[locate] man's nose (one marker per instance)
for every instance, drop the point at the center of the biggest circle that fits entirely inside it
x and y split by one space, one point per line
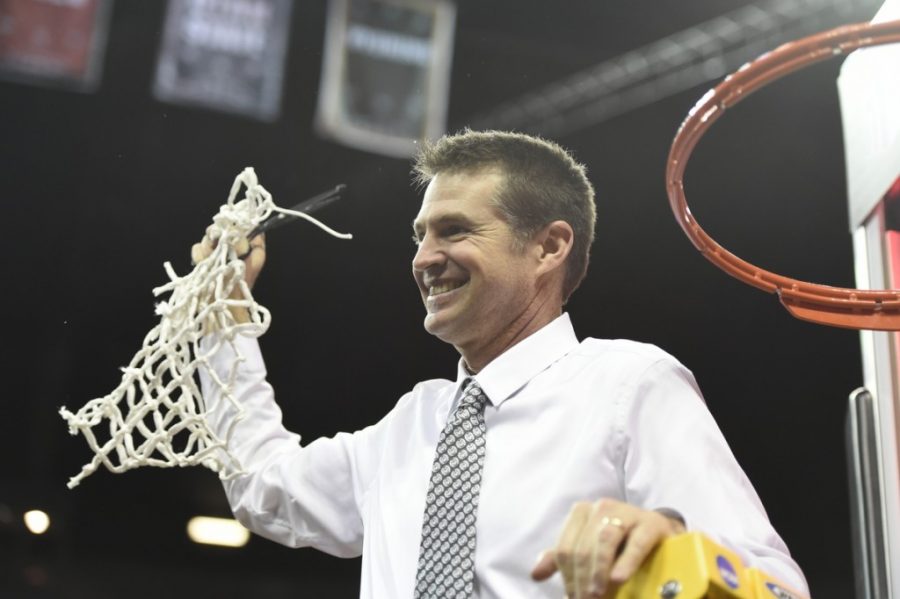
427 255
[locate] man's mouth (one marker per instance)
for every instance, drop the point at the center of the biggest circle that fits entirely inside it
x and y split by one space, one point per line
442 294
445 287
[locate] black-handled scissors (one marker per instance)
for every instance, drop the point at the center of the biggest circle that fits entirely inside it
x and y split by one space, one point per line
309 206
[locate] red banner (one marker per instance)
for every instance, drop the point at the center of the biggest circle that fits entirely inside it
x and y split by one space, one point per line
58 41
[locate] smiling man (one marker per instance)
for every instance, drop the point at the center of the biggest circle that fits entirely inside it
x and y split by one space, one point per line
582 454
483 293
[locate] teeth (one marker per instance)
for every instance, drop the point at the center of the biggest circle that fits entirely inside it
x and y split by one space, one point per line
443 288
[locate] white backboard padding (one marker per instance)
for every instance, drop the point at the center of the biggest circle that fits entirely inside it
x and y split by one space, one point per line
869 89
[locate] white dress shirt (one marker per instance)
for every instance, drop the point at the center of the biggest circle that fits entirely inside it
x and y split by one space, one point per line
566 422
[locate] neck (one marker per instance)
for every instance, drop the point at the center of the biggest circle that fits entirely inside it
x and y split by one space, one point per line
477 356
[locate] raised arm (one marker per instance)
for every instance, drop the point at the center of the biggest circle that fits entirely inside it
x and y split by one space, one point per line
294 495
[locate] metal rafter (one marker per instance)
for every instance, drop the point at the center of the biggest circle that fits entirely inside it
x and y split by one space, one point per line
696 55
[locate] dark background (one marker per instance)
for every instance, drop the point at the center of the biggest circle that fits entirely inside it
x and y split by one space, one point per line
100 189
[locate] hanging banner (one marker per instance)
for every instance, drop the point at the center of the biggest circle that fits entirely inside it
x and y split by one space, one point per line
386 73
226 55
54 42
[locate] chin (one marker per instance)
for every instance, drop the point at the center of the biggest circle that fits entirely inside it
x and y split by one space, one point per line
432 325
439 327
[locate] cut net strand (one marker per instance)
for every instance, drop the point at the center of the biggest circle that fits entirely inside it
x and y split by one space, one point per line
157 416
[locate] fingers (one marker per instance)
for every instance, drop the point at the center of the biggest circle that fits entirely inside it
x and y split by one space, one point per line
245 248
545 567
200 251
252 251
602 544
642 539
255 259
569 560
242 248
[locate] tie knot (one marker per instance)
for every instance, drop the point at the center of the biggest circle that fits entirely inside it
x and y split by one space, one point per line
473 397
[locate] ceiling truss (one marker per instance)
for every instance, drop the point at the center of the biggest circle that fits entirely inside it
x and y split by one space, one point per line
691 57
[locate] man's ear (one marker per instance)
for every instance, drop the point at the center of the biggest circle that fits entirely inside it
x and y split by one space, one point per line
553 244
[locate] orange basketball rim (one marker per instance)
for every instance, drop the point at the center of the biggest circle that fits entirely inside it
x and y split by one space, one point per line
823 304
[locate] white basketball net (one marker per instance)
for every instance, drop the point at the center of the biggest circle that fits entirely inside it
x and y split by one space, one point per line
156 416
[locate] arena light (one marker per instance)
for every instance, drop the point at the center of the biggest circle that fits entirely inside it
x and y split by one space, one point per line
223 532
36 521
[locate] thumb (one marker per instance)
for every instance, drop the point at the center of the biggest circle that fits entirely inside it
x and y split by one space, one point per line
545 567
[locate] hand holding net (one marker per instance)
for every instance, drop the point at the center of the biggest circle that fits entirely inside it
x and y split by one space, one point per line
156 416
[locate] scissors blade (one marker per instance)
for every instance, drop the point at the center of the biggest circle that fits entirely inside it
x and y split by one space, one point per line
313 204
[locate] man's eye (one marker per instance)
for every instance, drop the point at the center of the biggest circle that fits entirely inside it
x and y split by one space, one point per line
416 239
454 231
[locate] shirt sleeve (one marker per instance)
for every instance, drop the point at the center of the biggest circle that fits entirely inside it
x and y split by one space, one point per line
676 457
298 496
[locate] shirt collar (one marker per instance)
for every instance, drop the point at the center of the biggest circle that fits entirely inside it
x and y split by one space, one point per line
512 369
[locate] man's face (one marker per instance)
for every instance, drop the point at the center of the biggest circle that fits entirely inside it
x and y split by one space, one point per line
474 281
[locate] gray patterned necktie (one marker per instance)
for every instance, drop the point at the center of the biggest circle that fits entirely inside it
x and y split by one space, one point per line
447 552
